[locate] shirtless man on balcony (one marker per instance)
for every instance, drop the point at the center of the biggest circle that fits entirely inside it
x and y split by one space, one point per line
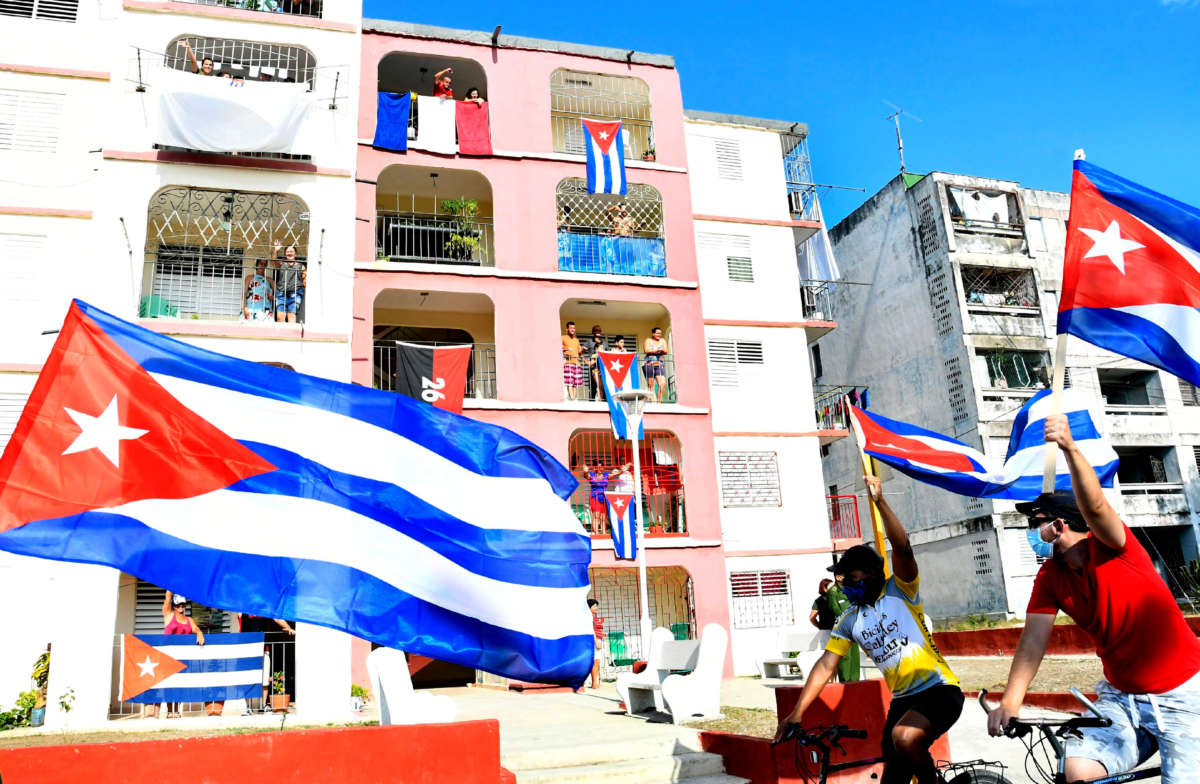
204 66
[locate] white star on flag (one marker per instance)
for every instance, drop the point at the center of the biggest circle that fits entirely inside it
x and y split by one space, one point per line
1110 243
618 506
147 668
102 432
603 135
616 365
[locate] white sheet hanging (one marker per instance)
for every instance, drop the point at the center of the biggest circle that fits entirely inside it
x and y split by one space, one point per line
436 131
985 206
216 114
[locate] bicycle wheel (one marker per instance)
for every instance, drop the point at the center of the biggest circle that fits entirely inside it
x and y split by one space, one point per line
979 777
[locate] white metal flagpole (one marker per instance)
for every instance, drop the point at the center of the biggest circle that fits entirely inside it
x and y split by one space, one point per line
638 527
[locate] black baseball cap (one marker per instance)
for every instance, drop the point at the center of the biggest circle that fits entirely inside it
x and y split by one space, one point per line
858 557
1060 503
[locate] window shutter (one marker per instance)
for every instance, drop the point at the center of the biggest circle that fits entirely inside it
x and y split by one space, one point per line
54 10
1196 455
740 269
22 266
761 599
1189 393
11 404
729 159
749 479
749 352
722 362
30 120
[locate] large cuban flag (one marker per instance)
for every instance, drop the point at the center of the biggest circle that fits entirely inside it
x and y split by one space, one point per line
952 465
261 490
1131 276
622 522
605 156
618 374
174 668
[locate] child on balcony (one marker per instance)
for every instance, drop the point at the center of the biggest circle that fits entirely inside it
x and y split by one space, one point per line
258 298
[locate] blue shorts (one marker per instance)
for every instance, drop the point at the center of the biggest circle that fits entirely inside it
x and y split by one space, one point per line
289 303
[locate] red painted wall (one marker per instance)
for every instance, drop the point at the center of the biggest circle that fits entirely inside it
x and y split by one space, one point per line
1066 640
465 753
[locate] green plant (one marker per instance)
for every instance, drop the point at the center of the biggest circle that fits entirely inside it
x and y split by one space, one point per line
359 691
277 685
41 677
464 239
66 700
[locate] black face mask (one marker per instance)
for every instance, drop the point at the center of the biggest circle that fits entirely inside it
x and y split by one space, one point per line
865 591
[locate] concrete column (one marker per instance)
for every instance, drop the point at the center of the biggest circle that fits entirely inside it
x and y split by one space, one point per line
322 674
81 600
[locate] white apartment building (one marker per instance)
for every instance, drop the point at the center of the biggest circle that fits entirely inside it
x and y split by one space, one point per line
955 332
93 206
754 206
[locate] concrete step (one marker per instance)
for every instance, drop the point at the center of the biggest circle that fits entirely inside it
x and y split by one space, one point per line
684 767
550 753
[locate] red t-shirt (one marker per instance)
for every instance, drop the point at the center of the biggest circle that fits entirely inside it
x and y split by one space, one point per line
442 92
1141 636
598 626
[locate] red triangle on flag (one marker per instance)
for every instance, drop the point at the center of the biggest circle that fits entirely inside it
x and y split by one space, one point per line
617 365
619 502
603 133
99 431
144 667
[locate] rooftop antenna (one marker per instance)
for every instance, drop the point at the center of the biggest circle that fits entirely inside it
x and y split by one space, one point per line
895 117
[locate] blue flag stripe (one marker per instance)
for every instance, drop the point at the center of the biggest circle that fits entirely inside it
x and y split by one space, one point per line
223 665
317 592
486 449
198 694
1033 434
1131 336
1179 221
522 557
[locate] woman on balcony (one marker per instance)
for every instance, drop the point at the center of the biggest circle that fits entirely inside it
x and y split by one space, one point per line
290 283
599 478
258 298
177 621
655 365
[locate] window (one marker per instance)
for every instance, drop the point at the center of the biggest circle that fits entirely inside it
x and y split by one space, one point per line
740 269
1189 393
202 245
11 404
761 599
729 159
1129 387
1195 451
995 287
295 7
982 210
612 234
1016 369
726 356
816 362
662 479
575 95
30 120
1145 465
54 10
256 60
23 265
825 450
749 479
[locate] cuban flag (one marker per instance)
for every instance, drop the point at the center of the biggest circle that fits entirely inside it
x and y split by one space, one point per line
270 492
174 668
622 523
1131 276
617 373
952 465
605 156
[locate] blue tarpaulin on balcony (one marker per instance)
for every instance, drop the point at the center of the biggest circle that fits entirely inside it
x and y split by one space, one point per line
611 255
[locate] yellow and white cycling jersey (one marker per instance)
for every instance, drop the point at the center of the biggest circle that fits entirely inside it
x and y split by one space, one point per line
893 633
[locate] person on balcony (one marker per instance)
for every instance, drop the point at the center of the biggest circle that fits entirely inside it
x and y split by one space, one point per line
598 478
572 370
622 223
258 298
291 280
655 365
204 67
177 621
474 97
593 359
442 81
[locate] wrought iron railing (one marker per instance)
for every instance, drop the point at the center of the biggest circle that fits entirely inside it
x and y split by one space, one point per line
649 370
843 517
481 368
311 8
816 298
662 512
204 283
434 239
831 411
576 95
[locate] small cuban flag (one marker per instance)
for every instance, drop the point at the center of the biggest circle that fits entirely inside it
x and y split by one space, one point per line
619 375
605 157
622 523
174 668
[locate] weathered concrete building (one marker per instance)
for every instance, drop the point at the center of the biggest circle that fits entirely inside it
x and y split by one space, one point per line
954 332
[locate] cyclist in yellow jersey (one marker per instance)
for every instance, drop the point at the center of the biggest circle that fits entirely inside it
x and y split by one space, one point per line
886 618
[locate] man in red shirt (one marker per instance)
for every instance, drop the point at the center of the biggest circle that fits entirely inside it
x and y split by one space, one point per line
1103 579
598 632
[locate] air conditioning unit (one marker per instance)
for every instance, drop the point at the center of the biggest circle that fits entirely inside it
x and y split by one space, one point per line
795 202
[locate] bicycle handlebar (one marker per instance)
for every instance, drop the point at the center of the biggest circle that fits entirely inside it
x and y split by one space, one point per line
820 736
1018 727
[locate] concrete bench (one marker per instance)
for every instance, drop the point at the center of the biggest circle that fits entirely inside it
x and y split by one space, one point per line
798 666
643 690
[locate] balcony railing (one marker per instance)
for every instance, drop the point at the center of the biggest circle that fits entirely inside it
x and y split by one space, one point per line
481 368
662 367
611 255
434 239
831 410
843 517
294 7
817 300
212 285
661 513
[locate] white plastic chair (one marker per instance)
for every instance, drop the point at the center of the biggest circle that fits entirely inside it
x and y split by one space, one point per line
398 702
699 692
653 674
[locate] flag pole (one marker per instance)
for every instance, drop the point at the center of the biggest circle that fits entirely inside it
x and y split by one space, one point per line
633 401
1050 470
868 466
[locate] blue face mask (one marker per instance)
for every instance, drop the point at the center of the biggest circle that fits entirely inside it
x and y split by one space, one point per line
1040 549
863 592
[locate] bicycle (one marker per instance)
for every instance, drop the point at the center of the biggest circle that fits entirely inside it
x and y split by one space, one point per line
823 740
1054 731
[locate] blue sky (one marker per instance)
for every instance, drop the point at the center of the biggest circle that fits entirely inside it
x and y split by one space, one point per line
1004 89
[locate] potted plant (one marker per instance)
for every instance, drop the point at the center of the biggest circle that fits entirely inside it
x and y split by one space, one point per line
464 237
279 700
41 679
648 155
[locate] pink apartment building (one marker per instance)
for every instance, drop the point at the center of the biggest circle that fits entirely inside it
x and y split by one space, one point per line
500 251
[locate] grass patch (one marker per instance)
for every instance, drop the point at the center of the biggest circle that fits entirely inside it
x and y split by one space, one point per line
758 722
